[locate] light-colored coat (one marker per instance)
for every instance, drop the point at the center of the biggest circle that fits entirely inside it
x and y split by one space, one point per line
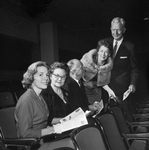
91 69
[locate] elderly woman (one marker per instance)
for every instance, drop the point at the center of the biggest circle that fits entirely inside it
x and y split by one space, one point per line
55 96
31 112
97 71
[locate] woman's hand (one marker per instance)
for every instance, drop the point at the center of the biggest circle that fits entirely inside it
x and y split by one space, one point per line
57 128
47 131
132 88
93 107
111 93
55 120
99 106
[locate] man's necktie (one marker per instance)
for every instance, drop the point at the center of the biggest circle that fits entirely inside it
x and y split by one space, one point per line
114 49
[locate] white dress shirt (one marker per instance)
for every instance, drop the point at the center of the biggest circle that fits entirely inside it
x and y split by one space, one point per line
118 44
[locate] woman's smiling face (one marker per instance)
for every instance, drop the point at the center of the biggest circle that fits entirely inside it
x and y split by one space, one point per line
58 77
103 53
41 78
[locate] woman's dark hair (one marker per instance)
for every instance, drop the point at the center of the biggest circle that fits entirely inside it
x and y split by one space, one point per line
106 44
61 65
28 76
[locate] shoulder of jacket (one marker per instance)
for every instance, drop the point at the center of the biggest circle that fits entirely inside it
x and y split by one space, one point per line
26 99
129 45
92 51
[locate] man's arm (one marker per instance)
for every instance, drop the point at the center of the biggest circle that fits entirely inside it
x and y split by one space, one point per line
134 68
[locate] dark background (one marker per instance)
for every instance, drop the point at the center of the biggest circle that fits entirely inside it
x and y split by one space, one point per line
86 21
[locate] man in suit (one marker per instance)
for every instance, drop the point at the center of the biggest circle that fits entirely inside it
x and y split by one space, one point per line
74 86
124 74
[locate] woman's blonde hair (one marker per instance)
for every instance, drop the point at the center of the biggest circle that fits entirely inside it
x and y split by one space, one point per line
28 76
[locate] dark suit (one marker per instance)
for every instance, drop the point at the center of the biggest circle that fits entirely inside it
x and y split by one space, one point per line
77 94
125 71
77 97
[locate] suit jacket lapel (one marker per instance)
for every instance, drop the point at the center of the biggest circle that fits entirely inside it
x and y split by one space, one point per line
75 82
117 56
121 51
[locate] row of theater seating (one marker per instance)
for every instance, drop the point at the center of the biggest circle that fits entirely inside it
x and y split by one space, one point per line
8 99
117 128
124 127
10 91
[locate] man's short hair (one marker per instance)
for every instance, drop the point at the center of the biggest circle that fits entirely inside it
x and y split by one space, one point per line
118 20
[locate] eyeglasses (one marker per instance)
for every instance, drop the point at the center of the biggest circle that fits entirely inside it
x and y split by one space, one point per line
59 77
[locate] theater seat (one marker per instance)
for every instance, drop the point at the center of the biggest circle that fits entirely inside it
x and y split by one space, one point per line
8 131
116 139
89 137
7 99
8 135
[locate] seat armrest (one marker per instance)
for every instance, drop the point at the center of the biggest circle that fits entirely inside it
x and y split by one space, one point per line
21 141
146 115
143 105
135 136
56 137
143 110
140 123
